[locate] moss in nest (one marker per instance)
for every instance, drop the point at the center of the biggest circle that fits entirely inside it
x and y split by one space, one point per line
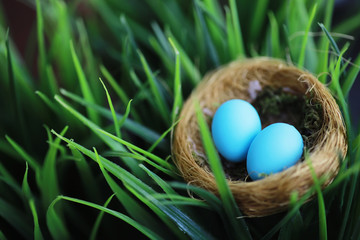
234 171
301 111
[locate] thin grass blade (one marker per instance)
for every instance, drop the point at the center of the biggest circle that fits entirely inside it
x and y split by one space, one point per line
305 39
99 218
324 43
90 185
49 177
41 41
257 22
321 203
24 155
113 113
28 195
330 38
131 163
161 138
236 30
164 185
143 192
239 226
155 158
126 114
177 84
147 232
115 86
15 218
154 86
18 111
351 77
213 54
84 85
139 130
275 39
188 65
134 209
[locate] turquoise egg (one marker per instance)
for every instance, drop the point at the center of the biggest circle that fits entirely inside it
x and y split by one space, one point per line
234 126
276 148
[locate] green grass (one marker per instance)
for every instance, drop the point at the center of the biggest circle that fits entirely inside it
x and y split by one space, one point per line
97 154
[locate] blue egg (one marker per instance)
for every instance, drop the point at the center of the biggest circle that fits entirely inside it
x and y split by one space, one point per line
276 148
234 126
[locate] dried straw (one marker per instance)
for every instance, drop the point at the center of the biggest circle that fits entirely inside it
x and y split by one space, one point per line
243 80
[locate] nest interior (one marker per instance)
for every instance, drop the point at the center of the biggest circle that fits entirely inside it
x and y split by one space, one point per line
246 80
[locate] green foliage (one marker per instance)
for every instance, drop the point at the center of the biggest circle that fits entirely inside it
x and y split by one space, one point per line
151 55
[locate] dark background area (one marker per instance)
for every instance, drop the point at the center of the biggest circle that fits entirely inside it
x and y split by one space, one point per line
21 17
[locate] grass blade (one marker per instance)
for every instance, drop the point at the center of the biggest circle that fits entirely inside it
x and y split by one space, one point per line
304 41
55 225
126 115
41 41
27 192
134 209
32 162
49 178
113 113
330 38
91 63
213 20
147 232
292 229
84 86
189 67
48 102
275 40
214 56
90 185
139 130
131 163
351 77
115 86
15 218
324 43
86 122
258 18
321 204
177 84
297 21
348 25
18 111
143 192
239 226
154 86
164 185
155 158
292 212
97 223
236 31
160 139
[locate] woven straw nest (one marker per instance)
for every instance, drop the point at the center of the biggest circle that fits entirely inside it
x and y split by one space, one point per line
243 80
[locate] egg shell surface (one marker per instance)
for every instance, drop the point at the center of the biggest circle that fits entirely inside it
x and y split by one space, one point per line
234 126
276 148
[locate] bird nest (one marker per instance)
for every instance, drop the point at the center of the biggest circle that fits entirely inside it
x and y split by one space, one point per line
247 80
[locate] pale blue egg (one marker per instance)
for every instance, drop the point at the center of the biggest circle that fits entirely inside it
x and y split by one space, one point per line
276 148
234 126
